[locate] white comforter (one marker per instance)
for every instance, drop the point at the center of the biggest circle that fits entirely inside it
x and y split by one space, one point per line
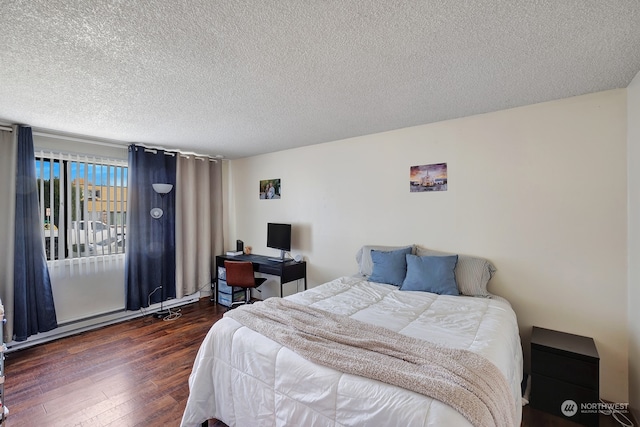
245 379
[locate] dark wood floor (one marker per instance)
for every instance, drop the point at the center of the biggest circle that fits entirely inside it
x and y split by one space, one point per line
129 374
132 373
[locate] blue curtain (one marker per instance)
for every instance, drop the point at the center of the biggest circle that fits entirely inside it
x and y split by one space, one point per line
34 310
150 253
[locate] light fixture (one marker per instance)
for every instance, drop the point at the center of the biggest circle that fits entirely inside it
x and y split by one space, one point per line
156 213
162 188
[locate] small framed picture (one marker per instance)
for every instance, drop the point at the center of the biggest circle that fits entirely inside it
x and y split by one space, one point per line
428 178
270 189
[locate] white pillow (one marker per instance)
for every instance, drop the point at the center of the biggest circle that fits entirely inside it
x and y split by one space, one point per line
472 273
363 256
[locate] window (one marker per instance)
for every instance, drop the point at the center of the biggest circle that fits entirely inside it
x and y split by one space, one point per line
83 205
93 194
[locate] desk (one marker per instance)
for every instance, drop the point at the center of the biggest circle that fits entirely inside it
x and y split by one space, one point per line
288 271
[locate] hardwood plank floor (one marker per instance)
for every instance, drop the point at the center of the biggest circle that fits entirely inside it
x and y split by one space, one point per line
131 374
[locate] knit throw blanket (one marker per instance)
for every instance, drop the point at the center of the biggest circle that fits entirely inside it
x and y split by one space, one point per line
460 378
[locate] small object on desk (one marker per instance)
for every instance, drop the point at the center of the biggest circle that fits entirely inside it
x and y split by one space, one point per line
239 246
247 250
234 253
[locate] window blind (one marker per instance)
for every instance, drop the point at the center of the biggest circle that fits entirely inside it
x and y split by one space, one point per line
83 202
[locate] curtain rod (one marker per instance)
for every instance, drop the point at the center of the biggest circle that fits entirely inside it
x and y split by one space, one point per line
76 139
124 145
172 151
115 145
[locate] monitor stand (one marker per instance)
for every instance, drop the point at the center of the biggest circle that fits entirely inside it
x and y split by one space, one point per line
281 259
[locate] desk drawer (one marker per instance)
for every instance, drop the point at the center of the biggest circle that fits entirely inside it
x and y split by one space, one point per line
224 287
564 368
225 299
294 271
273 268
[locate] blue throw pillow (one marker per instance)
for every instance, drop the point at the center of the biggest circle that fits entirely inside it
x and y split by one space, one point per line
389 266
431 274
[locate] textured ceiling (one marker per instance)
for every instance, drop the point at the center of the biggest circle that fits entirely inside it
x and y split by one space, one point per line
240 78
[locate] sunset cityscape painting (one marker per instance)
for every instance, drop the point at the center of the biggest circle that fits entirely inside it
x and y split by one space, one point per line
428 178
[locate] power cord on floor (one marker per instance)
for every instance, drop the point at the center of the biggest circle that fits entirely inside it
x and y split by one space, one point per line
173 313
610 409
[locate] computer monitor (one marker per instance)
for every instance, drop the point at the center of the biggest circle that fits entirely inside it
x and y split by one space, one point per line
279 237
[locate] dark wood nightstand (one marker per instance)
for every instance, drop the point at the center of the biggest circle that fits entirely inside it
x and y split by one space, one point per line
565 369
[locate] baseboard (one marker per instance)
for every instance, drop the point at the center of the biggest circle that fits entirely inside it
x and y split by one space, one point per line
94 322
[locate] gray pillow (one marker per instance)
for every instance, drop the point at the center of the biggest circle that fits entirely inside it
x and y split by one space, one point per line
363 256
472 273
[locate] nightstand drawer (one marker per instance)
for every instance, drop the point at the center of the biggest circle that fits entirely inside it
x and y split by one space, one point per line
548 394
564 368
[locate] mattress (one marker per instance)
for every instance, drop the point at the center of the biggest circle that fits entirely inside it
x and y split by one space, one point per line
245 379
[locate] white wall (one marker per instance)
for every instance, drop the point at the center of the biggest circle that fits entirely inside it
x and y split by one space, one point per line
87 287
540 191
633 138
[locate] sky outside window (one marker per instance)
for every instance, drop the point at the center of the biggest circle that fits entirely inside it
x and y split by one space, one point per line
98 175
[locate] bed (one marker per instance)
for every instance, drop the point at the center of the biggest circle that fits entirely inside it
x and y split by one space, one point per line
245 378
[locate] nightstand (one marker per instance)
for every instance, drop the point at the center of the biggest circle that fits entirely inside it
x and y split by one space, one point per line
565 368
